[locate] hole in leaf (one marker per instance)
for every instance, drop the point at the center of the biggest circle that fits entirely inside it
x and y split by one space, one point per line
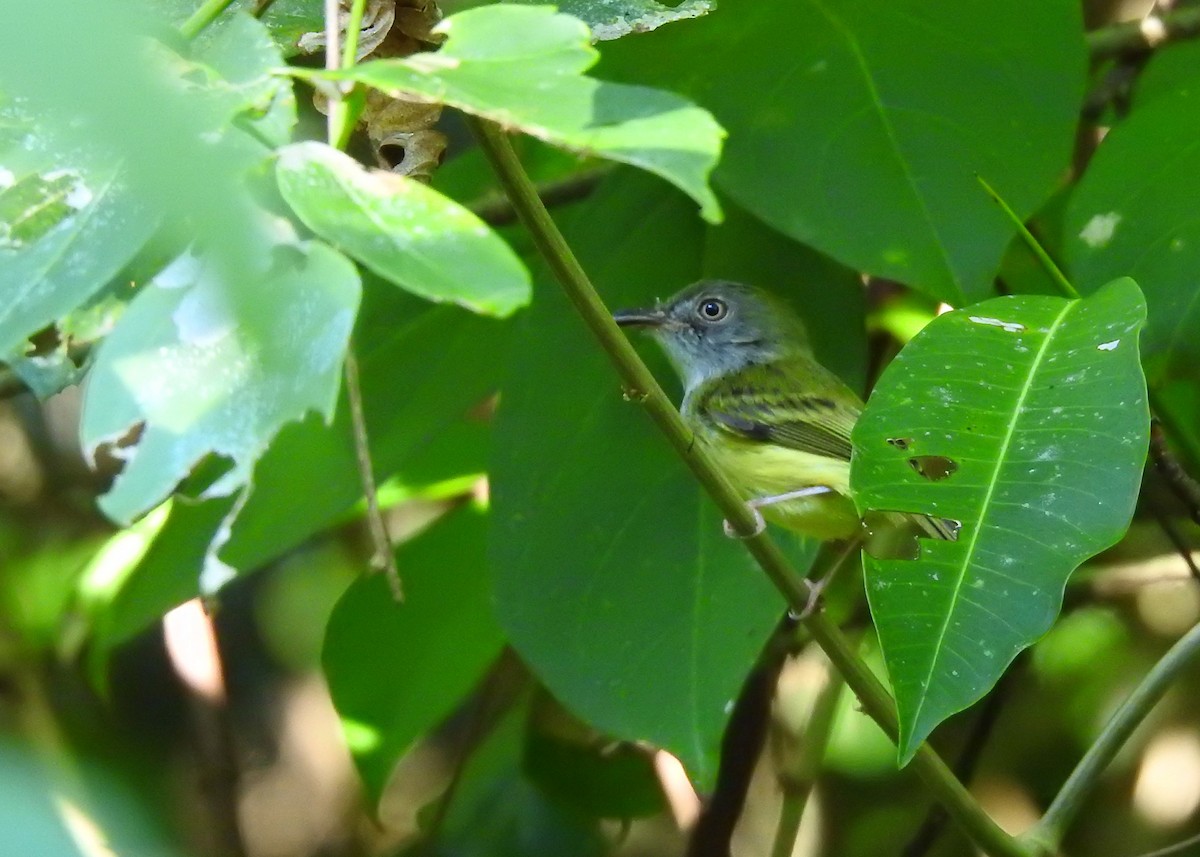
935 468
901 443
897 535
109 457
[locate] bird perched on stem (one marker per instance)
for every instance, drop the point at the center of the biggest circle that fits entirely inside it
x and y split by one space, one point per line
769 415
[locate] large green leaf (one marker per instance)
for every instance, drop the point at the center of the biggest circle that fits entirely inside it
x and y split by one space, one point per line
449 360
206 365
396 670
402 230
243 63
68 223
859 126
1134 214
614 580
82 193
1033 411
522 66
611 20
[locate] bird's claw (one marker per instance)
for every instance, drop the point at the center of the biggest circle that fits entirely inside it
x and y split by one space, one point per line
760 524
813 603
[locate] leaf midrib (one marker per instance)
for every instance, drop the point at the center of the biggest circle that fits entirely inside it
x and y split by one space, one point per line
971 546
881 112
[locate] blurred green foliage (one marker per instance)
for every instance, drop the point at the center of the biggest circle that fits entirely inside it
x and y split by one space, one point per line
172 236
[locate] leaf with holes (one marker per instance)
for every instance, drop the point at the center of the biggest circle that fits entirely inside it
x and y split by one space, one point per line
522 67
401 229
1024 419
68 222
208 364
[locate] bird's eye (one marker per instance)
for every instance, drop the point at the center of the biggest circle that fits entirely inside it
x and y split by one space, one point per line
712 309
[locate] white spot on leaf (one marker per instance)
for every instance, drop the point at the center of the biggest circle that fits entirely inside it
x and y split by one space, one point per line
1099 230
1010 326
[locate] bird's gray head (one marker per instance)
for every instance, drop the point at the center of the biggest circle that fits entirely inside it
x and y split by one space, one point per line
714 327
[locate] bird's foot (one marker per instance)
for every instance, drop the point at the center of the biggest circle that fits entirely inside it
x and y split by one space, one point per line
760 524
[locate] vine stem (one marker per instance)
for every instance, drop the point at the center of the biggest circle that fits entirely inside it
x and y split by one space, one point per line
798 774
383 554
640 385
1046 835
208 12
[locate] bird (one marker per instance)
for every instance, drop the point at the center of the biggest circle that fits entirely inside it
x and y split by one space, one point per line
765 411
772 418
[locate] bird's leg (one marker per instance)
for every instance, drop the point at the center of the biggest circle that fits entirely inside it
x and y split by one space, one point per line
755 504
845 551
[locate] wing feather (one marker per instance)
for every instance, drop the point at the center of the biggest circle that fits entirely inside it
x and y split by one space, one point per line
795 403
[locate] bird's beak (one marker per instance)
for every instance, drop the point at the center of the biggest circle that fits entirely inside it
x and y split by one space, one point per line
640 317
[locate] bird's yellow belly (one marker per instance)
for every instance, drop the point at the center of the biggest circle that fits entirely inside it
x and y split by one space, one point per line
764 469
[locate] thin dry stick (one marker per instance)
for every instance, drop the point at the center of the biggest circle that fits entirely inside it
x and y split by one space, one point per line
383 555
1178 479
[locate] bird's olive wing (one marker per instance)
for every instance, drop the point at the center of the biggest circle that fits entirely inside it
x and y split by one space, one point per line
797 404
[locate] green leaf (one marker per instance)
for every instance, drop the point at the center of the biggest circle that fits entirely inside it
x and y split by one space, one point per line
614 580
420 433
612 19
403 230
67 225
396 670
1134 214
1039 404
858 127
1173 69
286 20
494 810
522 67
244 78
211 366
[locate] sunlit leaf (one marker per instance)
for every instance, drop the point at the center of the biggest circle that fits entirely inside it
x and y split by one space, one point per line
522 67
858 127
1134 214
1039 406
244 64
611 20
202 365
67 225
395 670
402 230
421 435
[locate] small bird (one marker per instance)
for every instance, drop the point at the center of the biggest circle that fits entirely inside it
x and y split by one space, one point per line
769 415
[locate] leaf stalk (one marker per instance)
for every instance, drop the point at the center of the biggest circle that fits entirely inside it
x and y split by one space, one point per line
1045 837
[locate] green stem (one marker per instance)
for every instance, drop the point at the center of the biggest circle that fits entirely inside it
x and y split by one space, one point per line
353 29
1177 24
1047 834
797 777
1055 272
791 813
640 385
340 122
208 12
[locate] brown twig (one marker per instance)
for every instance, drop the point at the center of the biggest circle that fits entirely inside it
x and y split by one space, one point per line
1145 33
1180 482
